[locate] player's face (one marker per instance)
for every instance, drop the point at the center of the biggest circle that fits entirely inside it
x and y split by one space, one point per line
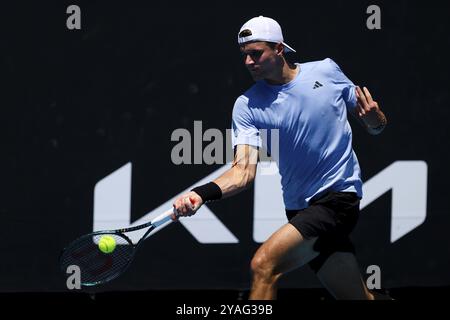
259 59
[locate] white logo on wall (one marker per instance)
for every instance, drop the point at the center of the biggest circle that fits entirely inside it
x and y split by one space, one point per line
406 179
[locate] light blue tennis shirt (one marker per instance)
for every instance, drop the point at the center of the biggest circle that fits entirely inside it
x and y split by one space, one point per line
315 152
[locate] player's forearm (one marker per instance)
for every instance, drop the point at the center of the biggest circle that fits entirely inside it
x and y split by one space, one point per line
235 180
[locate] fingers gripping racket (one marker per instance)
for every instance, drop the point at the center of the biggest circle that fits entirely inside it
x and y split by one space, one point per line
99 266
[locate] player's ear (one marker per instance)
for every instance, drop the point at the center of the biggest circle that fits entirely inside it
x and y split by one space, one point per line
279 49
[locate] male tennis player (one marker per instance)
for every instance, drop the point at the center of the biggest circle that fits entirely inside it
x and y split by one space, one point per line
308 104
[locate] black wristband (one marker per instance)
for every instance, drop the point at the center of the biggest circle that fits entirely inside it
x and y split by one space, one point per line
208 192
379 127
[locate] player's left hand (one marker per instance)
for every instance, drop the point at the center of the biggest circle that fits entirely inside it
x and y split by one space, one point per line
365 103
366 107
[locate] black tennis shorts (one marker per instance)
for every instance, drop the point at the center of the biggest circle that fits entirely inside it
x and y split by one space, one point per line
331 217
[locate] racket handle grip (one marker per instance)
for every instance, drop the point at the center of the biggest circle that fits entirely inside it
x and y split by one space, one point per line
164 217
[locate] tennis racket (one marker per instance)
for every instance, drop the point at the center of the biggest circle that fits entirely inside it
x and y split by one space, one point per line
97 267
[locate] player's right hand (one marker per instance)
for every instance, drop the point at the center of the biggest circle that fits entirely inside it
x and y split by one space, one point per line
187 204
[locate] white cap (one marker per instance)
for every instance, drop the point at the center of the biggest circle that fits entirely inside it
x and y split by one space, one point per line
262 29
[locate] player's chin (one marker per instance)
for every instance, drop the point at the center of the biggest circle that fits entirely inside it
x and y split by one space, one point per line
256 76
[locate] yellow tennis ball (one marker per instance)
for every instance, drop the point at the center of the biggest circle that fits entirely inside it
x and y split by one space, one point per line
107 244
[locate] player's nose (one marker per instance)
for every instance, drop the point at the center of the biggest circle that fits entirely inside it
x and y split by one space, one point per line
248 60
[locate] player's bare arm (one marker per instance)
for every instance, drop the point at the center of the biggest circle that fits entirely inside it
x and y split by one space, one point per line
242 173
239 177
368 112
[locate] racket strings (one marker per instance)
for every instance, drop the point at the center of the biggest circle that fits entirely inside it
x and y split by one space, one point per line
95 265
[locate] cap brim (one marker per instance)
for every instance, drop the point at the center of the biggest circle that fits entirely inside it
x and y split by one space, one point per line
288 48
